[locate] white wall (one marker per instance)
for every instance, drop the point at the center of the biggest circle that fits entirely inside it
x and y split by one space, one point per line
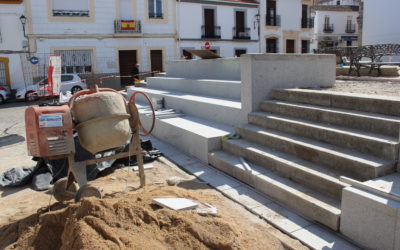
105 14
290 12
11 40
380 23
191 19
106 50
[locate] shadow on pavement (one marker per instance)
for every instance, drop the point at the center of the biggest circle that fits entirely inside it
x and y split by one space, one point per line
17 103
10 140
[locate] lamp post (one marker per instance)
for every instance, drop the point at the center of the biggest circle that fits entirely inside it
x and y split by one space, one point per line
22 18
257 23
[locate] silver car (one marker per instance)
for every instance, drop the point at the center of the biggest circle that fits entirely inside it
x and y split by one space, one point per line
5 94
69 82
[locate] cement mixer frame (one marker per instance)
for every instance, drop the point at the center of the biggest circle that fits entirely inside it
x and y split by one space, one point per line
66 188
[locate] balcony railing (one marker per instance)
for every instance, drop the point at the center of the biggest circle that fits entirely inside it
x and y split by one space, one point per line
273 20
127 26
69 13
328 28
241 34
211 32
307 23
156 15
350 28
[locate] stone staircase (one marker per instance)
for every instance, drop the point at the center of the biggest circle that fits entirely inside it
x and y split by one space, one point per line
302 141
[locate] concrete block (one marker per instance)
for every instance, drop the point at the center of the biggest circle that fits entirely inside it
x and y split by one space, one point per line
369 219
222 68
260 73
372 144
376 123
207 87
318 237
247 197
193 136
281 217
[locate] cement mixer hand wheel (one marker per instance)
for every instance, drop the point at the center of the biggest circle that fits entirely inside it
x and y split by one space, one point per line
87 191
60 191
132 100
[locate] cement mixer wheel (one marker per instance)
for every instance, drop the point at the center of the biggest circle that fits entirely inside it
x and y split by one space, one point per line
60 191
87 191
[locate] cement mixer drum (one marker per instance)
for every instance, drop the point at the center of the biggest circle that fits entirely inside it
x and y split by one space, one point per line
102 121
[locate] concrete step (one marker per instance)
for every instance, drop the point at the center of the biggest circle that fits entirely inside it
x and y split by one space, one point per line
387 105
381 146
215 109
191 135
375 123
323 180
216 88
349 163
307 202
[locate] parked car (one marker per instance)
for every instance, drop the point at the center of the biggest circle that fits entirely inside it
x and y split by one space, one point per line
69 82
5 94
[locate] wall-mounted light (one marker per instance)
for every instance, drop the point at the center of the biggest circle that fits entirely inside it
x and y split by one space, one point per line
257 20
22 18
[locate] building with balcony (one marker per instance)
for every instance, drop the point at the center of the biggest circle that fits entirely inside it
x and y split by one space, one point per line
229 27
335 23
101 36
12 43
285 26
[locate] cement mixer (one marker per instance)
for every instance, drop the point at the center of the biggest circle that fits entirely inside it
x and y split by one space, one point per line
103 121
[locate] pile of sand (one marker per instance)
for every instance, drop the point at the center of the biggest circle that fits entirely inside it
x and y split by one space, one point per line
131 221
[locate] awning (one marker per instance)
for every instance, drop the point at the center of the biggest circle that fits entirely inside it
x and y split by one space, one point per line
349 38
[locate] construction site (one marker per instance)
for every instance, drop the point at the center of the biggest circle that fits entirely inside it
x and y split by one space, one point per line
165 124
258 152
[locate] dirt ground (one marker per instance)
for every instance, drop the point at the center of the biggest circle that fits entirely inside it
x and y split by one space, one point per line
31 219
368 87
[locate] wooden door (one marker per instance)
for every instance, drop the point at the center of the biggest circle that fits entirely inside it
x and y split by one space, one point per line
290 46
239 22
209 24
156 60
127 61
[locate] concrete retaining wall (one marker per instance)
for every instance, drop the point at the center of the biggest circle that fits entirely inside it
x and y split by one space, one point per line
218 69
260 73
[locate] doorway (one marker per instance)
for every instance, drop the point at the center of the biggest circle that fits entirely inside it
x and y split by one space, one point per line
239 28
4 72
290 46
209 23
127 61
156 60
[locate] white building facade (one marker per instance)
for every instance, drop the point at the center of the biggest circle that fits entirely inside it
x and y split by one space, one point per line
11 43
336 24
380 22
104 36
286 26
229 27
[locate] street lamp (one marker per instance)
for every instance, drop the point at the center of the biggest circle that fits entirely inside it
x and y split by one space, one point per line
22 18
257 21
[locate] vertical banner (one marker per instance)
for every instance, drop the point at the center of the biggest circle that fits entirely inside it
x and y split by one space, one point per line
54 75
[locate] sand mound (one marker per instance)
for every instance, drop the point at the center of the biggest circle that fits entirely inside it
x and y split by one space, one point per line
130 221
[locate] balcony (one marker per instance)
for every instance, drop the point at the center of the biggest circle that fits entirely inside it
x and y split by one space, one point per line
350 28
273 20
328 28
211 32
307 23
127 26
241 33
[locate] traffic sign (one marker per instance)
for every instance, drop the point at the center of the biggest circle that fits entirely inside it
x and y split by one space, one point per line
207 46
34 60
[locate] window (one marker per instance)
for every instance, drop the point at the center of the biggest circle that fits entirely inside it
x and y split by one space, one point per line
66 78
239 52
71 8
155 9
3 75
337 2
305 46
75 61
272 45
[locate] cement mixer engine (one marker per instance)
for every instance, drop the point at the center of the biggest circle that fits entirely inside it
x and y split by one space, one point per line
103 121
